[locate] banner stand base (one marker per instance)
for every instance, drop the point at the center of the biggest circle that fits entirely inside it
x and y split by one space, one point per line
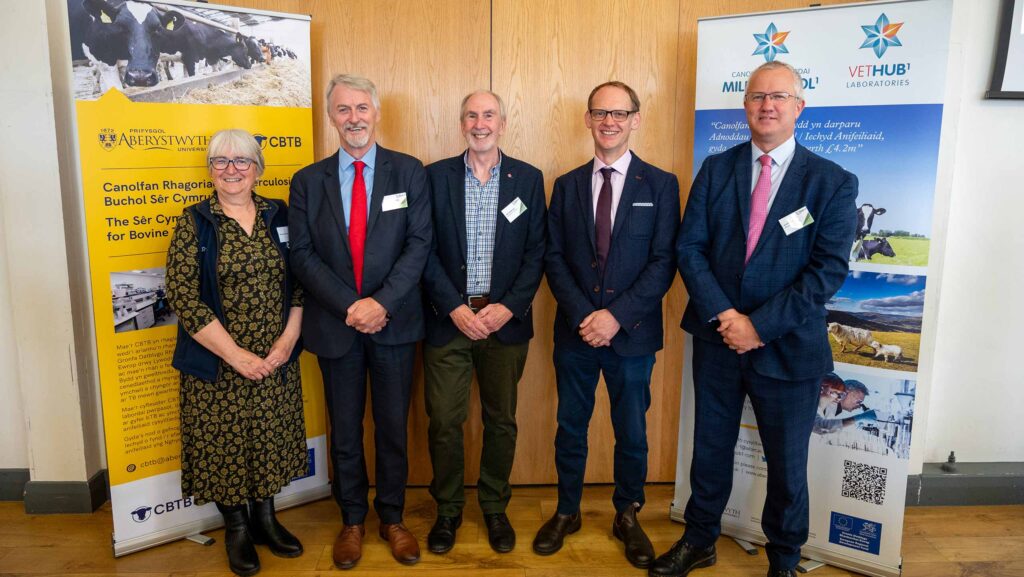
747 546
201 539
809 565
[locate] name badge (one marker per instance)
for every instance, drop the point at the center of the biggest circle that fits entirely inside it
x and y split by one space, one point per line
394 202
514 209
647 204
796 220
282 233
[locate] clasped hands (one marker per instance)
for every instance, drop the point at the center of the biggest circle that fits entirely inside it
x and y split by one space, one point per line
738 331
478 326
598 328
256 368
367 316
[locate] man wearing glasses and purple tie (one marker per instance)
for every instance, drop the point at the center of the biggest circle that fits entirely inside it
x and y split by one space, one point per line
611 228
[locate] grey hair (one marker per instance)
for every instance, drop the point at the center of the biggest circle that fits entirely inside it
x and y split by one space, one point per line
465 100
355 83
798 81
239 142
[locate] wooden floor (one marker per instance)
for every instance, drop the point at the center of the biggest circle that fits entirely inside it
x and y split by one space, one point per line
937 542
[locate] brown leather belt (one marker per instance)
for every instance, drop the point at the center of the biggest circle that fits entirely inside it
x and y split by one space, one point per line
477 302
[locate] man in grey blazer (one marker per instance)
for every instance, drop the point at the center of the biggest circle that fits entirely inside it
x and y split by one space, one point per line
360 232
483 271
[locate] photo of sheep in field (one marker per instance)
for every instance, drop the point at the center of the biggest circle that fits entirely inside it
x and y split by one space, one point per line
875 320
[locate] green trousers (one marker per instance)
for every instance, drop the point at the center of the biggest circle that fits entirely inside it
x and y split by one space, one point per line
448 375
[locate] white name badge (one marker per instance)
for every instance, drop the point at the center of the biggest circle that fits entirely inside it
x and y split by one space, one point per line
514 209
647 204
796 220
282 233
394 202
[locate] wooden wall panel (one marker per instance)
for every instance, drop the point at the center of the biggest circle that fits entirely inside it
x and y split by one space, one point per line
547 58
543 57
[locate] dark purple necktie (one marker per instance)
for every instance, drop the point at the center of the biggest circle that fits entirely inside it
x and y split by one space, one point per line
603 219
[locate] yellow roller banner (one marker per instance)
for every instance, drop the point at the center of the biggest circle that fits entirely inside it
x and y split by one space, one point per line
142 142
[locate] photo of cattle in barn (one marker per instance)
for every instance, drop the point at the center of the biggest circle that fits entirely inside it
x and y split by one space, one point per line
875 320
187 53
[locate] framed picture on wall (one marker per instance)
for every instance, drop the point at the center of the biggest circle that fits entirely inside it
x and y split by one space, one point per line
1008 74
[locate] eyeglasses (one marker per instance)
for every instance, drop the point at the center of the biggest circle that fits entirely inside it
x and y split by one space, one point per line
241 163
777 97
619 115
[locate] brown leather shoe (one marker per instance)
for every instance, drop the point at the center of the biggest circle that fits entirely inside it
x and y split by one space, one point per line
404 547
348 547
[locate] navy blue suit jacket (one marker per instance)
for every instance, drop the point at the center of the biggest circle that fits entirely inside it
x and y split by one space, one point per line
518 261
789 279
640 263
397 245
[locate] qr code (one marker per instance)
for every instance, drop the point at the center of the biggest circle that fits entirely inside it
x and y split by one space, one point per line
864 482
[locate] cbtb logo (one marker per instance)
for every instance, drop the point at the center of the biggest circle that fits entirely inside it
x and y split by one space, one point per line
142 514
107 138
277 141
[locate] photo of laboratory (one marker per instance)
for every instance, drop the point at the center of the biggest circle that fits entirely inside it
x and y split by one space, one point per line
866 411
139 300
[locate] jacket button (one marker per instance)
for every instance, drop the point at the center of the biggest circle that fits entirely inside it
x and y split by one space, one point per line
593 264
597 289
739 276
463 267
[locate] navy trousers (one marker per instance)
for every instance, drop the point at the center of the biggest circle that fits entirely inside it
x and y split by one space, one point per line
785 416
629 389
390 369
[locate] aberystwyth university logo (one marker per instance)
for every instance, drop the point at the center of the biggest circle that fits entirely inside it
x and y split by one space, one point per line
107 138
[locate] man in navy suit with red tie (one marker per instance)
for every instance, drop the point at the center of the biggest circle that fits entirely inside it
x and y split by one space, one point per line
763 246
360 232
611 228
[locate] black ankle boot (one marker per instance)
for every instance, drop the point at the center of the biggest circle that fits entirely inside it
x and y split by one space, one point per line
242 556
267 531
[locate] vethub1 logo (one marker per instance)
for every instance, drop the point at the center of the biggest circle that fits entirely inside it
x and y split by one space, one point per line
881 35
277 141
771 43
107 138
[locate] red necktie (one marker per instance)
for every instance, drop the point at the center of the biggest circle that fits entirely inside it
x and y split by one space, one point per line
357 224
603 222
759 204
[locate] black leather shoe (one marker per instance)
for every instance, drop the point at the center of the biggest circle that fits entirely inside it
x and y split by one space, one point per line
681 559
242 558
550 536
626 528
781 572
441 538
500 533
266 530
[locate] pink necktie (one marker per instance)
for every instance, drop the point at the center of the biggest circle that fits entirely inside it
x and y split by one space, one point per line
759 204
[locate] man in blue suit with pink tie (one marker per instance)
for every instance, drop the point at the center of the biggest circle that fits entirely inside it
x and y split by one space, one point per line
763 245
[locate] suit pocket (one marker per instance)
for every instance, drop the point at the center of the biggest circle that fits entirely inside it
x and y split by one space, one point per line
641 219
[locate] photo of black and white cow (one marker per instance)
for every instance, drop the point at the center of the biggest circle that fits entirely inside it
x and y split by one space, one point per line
150 50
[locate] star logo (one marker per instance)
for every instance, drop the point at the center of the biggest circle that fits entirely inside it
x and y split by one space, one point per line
882 35
771 43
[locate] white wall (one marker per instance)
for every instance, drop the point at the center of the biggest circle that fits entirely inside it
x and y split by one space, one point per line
977 388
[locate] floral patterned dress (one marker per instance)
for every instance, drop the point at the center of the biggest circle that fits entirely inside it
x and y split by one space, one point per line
240 439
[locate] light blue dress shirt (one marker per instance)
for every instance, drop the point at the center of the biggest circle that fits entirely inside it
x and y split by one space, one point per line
347 173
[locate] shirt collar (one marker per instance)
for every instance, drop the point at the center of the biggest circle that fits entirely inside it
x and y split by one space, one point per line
494 169
345 159
780 154
620 166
